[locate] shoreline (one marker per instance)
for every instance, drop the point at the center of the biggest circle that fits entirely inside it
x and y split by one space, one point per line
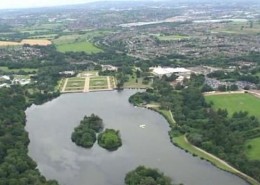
183 143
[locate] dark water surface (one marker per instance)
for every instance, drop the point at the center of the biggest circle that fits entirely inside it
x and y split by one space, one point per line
50 126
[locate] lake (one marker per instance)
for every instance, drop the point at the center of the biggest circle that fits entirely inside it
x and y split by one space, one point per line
50 127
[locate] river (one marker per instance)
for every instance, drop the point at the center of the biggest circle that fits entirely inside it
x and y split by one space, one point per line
50 126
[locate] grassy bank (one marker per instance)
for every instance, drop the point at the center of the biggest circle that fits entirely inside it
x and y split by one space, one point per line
183 143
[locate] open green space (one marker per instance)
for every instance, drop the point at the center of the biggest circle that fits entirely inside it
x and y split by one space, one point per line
84 46
79 84
236 102
135 82
253 149
88 73
184 144
239 28
79 42
28 70
98 81
172 37
167 114
76 79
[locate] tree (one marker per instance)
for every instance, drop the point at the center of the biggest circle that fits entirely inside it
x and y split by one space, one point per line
146 176
84 135
110 139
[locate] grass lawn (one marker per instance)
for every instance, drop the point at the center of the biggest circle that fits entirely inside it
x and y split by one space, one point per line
28 70
75 83
253 153
76 79
172 37
239 28
236 102
133 84
112 82
167 114
88 74
180 141
84 46
258 74
98 81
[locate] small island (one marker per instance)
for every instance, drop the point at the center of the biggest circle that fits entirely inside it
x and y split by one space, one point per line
146 176
84 135
110 139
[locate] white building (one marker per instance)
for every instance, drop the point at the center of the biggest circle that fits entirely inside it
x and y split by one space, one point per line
5 77
71 73
4 85
168 71
109 68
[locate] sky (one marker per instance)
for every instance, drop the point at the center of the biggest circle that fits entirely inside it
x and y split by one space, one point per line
10 4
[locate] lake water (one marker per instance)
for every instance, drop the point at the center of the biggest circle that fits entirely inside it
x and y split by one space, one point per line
50 126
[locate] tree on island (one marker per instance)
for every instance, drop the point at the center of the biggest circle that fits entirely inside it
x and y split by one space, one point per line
146 176
110 139
84 135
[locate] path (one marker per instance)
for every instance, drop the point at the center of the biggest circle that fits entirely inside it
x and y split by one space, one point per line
108 83
65 85
222 93
172 117
241 174
256 93
86 86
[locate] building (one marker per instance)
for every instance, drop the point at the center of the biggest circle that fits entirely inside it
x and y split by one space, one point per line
168 71
67 73
5 78
109 68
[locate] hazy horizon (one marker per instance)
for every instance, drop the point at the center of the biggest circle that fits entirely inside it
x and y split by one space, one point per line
18 4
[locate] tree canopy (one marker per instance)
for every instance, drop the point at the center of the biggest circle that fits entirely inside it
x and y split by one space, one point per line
146 176
110 139
85 134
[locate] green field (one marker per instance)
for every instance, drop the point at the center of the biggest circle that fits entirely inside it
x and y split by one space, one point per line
253 152
98 81
236 102
88 74
172 37
28 70
239 28
135 82
84 46
167 114
75 84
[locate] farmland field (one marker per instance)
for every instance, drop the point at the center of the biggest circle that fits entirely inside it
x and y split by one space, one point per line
236 102
253 152
41 42
84 46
